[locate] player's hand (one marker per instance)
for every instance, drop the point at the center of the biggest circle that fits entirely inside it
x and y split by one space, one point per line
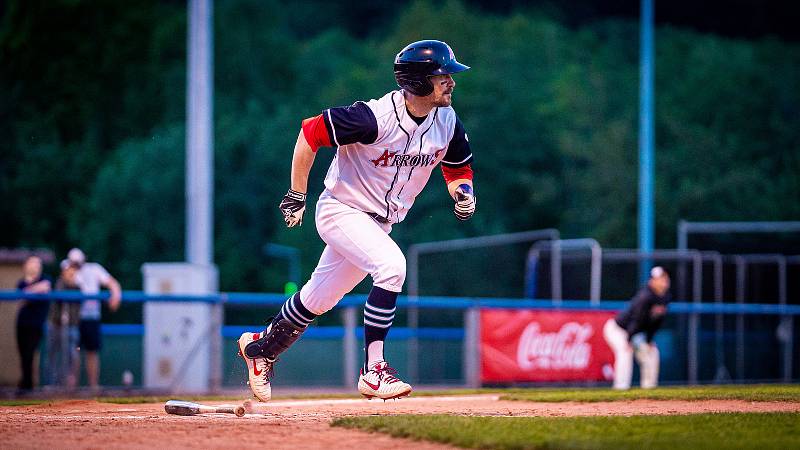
465 202
293 206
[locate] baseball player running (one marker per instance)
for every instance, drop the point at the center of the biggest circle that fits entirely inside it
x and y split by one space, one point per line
386 151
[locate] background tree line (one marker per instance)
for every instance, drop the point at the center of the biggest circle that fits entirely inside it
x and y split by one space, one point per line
92 118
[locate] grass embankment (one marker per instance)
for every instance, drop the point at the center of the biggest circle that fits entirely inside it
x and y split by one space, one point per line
700 431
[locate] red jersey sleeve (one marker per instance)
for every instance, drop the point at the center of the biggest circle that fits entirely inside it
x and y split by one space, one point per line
316 133
454 173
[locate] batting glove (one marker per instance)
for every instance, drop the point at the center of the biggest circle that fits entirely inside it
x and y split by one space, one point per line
465 202
293 206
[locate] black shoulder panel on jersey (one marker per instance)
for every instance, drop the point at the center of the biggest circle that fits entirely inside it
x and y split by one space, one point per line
458 152
351 124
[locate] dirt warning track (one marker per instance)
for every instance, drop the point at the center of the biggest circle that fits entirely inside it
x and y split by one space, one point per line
292 424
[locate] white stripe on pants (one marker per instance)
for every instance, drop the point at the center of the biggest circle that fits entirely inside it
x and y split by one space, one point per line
647 356
357 245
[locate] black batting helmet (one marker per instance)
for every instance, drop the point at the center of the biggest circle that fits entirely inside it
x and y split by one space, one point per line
423 59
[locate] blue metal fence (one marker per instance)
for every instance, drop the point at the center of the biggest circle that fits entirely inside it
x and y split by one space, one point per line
448 349
459 303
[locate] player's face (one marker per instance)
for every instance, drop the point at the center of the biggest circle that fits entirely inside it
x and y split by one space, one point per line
660 284
442 89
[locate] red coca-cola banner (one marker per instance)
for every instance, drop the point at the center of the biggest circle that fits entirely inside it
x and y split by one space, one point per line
544 345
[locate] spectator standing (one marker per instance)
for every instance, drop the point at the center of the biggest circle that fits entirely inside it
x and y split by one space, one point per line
90 278
31 317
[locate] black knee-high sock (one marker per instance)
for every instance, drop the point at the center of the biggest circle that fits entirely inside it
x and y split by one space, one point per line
378 317
294 311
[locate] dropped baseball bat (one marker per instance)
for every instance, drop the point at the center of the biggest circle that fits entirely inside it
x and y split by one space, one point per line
183 408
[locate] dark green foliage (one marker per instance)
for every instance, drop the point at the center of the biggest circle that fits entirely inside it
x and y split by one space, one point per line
92 110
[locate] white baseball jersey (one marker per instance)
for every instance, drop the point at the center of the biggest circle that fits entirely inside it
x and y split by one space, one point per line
90 278
384 158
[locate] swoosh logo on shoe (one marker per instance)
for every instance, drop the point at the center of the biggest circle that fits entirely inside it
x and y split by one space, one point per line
256 372
373 386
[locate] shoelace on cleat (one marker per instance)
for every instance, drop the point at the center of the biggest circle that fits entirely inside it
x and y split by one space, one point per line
268 372
386 373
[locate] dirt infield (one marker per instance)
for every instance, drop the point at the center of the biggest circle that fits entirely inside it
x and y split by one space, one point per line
301 424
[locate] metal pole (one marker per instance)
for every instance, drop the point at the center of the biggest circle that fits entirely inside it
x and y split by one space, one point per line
555 271
349 346
694 318
786 322
472 330
722 370
719 324
413 340
597 267
683 244
739 227
199 134
412 260
412 345
215 347
200 161
790 324
741 285
646 135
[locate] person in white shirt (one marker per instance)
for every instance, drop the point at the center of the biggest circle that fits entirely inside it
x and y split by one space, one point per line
90 278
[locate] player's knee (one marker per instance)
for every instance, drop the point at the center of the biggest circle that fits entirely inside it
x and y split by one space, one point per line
391 273
319 301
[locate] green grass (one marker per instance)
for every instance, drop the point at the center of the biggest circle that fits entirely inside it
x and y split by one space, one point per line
751 393
23 402
701 431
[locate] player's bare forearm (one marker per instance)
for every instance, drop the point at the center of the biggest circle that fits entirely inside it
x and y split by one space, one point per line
42 287
115 291
302 160
451 186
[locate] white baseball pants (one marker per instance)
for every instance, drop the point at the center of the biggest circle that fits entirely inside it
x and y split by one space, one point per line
357 245
647 356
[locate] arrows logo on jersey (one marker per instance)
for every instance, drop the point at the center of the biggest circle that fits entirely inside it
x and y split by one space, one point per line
392 159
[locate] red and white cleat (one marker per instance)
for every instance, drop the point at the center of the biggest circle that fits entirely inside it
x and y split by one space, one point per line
380 381
259 370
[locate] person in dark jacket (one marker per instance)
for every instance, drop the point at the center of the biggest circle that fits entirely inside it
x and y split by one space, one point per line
631 332
31 317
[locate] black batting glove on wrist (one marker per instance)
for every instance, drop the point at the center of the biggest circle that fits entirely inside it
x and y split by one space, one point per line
465 202
292 207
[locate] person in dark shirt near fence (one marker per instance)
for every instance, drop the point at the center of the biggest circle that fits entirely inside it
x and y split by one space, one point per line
631 332
31 317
